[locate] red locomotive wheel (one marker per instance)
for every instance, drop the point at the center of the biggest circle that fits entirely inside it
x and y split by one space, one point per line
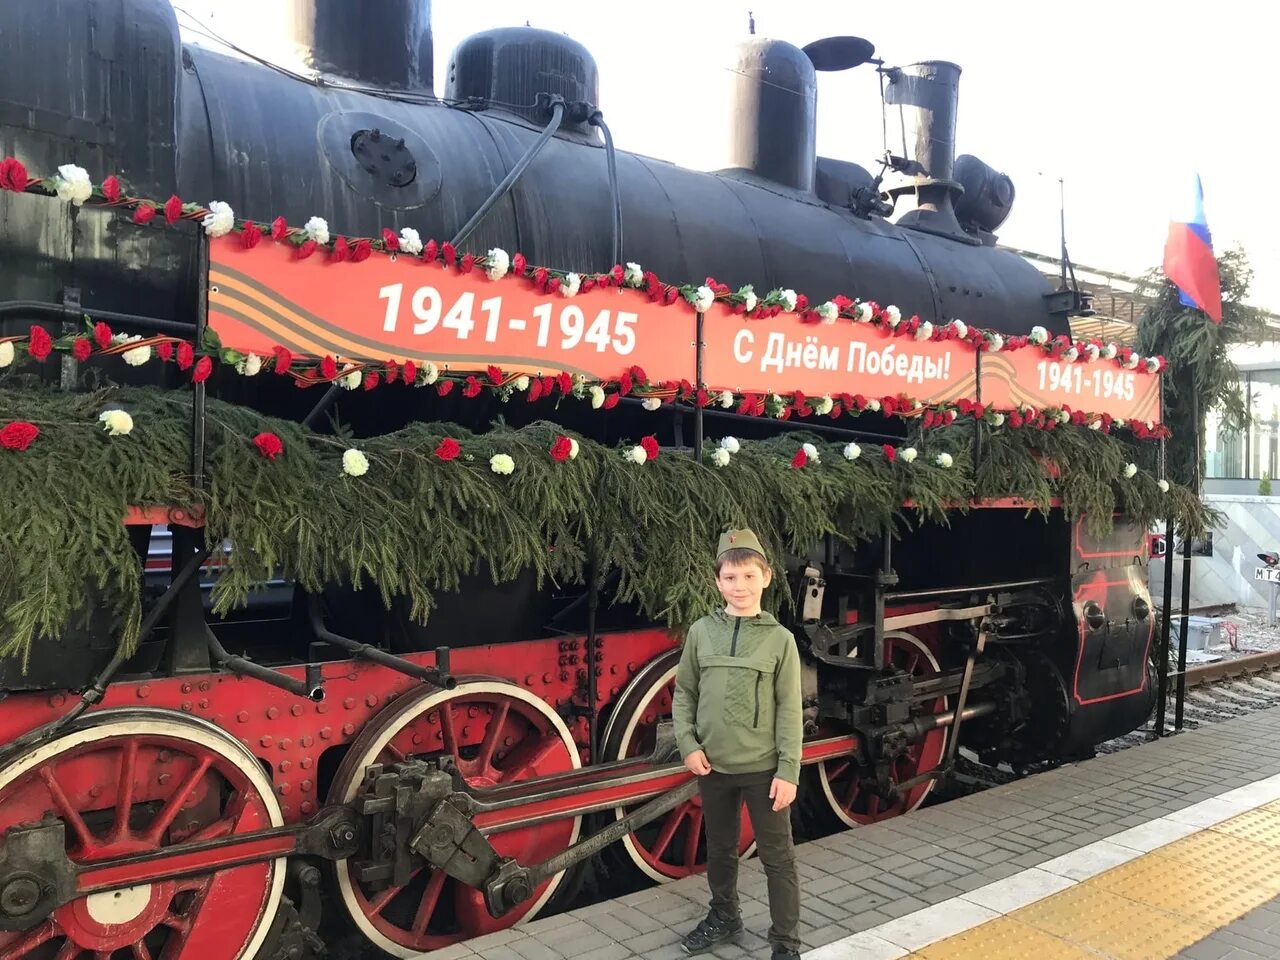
848 800
126 782
673 846
498 734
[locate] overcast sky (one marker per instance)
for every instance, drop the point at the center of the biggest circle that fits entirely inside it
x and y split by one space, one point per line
1123 100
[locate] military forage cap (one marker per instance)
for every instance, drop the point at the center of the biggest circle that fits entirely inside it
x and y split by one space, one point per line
739 540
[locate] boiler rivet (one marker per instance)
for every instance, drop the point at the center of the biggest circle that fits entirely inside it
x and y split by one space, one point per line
349 703
371 700
348 728
272 713
144 691
265 741
326 733
243 716
296 710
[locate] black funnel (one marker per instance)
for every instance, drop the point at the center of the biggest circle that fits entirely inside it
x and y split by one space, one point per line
383 44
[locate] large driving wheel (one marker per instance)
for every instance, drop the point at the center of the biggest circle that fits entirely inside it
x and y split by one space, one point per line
128 782
498 734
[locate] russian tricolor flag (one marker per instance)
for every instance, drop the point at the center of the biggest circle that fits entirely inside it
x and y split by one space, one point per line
1189 262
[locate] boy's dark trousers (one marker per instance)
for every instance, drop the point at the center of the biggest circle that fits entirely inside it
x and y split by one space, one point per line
722 797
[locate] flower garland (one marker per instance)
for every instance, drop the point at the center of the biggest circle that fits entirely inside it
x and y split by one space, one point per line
74 185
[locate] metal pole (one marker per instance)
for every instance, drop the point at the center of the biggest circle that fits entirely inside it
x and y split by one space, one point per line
1271 607
1186 565
1162 688
697 407
198 400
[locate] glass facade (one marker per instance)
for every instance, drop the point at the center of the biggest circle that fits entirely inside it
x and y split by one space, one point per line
1254 452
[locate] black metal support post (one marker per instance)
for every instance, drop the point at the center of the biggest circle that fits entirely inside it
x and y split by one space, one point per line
1162 667
198 400
697 407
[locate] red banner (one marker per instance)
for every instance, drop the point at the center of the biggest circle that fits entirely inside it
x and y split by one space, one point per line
400 308
781 355
1028 376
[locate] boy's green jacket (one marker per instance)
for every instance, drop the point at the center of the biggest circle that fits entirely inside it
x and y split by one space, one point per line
738 695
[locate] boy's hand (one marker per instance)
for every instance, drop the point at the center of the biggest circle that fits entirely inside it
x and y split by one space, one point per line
696 763
782 793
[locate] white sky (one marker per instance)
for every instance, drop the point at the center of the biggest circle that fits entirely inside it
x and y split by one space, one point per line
1124 99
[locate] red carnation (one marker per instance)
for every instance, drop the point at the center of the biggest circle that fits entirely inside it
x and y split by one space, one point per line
202 371
393 371
328 367
409 373
836 411
111 188
268 445
540 277
468 263
890 452
449 448
102 335
340 250
565 382
370 380
802 303
172 209
145 213
588 284
535 389
279 229
650 445
495 374
40 344
164 350
444 387
979 411
18 435
306 249
518 263
82 348
389 239
430 251
610 401
624 383
553 285
186 355
361 251
671 297
561 449
284 360
1015 419
450 253
251 235
617 274
800 459
17 175
472 388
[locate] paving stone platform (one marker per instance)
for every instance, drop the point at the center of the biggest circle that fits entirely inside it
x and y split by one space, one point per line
884 891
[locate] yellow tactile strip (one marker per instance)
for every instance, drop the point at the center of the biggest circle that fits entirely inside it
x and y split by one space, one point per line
1147 909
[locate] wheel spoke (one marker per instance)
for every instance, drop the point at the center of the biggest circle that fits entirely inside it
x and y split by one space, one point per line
669 828
695 834
32 939
379 903
68 951
69 812
532 754
124 790
140 951
164 819
430 899
448 732
484 760
834 773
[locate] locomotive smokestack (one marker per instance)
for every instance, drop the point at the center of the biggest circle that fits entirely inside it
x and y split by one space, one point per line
384 44
927 95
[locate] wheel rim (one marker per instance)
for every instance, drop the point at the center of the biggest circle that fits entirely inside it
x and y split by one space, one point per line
848 800
498 734
674 845
132 783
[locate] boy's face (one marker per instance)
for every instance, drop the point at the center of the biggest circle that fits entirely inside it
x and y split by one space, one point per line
741 585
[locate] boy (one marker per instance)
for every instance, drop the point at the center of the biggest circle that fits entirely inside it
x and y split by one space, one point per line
737 715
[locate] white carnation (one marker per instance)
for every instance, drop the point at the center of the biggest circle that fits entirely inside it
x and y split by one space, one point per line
1164 486
1132 362
726 398
749 299
355 463
824 406
252 365
852 451
219 220
570 285
1109 351
497 263
651 403
863 313
521 382
703 299
961 330
944 461
997 419
730 444
828 312
788 298
811 452
573 448
873 405
633 275
894 315
410 241
597 398
1130 471
1039 335
74 184
924 331
1071 355
430 373
352 380
997 343
6 354
1092 352
317 229
138 355
116 422
720 457
637 454
909 454
501 463
1095 424
1152 364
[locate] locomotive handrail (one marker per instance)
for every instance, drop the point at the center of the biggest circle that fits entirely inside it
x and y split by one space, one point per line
437 676
63 311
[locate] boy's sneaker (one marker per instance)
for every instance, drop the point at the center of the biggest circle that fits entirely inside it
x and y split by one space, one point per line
714 929
785 953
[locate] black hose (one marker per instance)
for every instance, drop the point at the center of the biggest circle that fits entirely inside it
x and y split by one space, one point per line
597 119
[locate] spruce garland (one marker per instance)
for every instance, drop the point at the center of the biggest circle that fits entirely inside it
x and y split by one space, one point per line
415 523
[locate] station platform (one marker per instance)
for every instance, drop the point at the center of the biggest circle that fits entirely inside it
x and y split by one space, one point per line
1166 849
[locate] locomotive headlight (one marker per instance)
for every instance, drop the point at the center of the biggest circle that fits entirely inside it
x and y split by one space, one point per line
1094 616
1141 609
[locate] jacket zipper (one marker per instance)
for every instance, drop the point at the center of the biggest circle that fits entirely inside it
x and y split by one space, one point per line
733 646
756 722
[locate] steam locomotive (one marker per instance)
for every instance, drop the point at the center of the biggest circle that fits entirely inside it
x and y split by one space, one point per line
401 806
